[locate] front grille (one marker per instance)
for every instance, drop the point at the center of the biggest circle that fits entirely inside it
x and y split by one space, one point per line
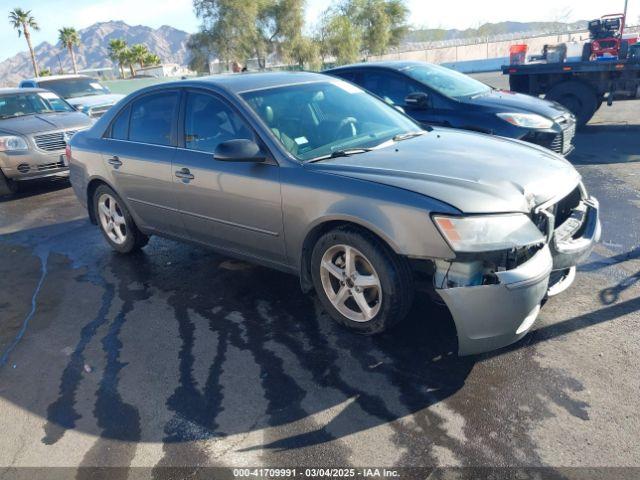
561 211
560 142
567 136
50 166
51 142
564 208
556 143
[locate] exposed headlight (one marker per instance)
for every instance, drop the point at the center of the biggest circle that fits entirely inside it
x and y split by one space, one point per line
485 233
526 120
12 143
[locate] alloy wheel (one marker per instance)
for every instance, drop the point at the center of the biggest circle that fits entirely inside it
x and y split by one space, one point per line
351 283
112 219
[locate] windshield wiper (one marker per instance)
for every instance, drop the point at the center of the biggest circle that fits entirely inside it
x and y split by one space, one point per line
340 153
406 136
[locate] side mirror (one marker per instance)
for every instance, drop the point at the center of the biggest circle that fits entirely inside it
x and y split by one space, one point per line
239 150
417 100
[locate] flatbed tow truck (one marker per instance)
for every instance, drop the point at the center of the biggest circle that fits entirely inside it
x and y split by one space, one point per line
582 87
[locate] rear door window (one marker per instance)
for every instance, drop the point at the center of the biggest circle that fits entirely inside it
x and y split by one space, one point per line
152 119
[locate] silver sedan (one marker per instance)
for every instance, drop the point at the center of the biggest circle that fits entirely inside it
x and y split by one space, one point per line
311 175
35 126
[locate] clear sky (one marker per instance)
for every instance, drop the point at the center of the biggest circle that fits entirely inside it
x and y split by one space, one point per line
53 14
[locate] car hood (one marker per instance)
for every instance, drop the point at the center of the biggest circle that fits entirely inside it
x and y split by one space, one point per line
506 101
28 124
95 100
474 173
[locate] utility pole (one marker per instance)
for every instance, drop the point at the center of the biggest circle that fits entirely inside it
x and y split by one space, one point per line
624 20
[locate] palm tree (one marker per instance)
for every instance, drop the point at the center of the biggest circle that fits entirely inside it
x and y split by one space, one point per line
23 22
151 59
69 37
139 53
128 59
117 50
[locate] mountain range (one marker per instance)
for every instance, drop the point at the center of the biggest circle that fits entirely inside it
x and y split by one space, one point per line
93 52
491 29
170 44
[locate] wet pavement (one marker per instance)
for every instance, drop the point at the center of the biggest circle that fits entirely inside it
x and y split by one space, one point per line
177 356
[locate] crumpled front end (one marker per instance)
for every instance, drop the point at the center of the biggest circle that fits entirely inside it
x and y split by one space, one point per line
492 315
495 297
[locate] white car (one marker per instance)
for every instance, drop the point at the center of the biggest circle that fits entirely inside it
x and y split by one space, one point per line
85 93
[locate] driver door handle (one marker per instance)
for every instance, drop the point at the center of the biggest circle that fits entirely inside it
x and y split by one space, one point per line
115 161
184 174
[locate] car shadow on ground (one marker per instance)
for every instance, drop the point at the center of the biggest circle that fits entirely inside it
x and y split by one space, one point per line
273 353
37 187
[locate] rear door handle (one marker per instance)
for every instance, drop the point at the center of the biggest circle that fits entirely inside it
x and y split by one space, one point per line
115 161
184 174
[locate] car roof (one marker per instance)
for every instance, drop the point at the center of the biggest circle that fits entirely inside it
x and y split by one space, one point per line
8 91
390 64
54 77
244 82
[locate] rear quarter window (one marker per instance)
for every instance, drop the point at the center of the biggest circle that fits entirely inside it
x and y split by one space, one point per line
120 126
152 118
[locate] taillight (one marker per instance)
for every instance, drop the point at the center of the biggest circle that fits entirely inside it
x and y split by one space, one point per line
67 153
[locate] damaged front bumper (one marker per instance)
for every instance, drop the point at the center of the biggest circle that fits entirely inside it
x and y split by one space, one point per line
493 316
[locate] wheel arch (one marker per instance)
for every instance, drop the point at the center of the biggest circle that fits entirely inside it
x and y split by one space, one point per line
92 186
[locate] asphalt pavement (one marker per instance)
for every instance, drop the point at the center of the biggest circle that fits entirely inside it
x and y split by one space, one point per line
178 357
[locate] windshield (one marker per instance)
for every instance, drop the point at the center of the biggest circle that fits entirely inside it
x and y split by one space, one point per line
446 81
19 104
74 87
316 119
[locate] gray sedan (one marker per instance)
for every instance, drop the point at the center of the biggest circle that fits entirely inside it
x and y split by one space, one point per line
311 175
35 125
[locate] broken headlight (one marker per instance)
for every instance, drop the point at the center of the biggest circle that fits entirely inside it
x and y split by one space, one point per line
486 233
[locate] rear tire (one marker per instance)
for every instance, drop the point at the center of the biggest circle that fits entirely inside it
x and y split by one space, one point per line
369 293
578 97
7 186
115 221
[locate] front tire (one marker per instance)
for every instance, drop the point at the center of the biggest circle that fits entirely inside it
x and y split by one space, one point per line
361 283
115 221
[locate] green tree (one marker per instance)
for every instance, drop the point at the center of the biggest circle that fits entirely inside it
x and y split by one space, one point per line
232 27
201 50
355 28
152 59
288 18
45 72
22 21
118 53
139 53
69 38
342 38
242 29
129 60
